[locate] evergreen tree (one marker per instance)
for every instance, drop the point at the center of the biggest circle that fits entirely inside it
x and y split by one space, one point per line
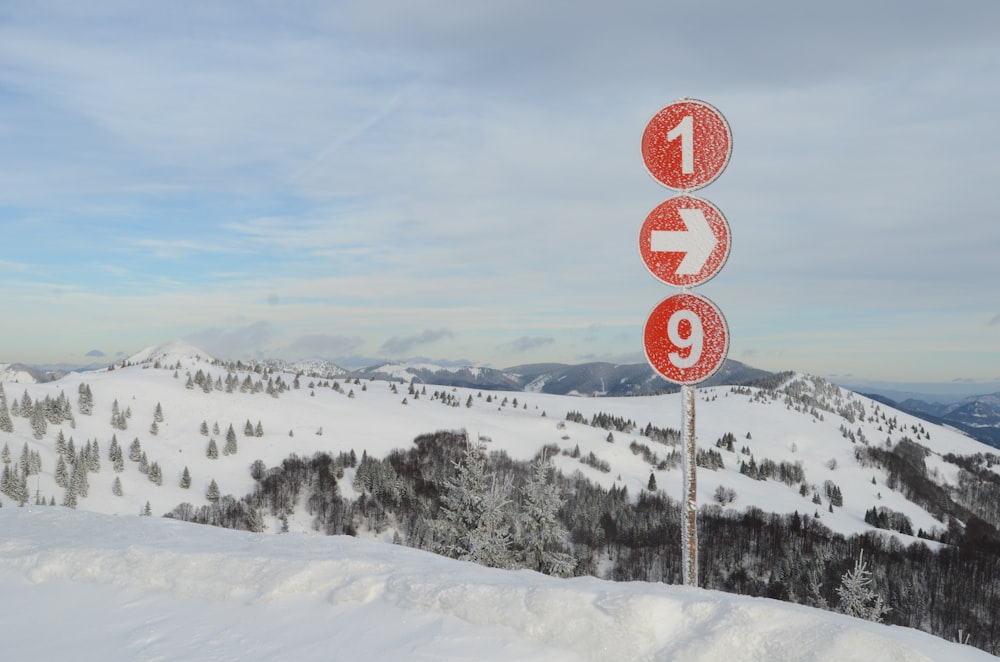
22 490
85 400
5 454
6 423
69 499
38 423
203 429
115 454
116 487
7 482
135 450
62 473
258 431
857 597
255 521
158 414
155 474
35 463
474 524
543 535
27 408
94 459
213 451
80 471
186 479
143 463
230 448
212 493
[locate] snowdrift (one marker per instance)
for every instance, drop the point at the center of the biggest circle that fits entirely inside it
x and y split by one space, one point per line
85 585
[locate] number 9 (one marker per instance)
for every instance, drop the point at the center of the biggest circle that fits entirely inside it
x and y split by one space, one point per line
694 340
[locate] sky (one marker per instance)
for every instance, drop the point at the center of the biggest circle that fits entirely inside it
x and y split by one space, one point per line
462 182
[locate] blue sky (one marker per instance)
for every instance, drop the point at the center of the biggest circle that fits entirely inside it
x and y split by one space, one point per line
462 181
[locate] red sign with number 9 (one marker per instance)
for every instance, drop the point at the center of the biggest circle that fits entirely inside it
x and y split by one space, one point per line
686 339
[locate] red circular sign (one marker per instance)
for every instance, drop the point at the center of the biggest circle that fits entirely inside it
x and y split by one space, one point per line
687 145
686 339
685 241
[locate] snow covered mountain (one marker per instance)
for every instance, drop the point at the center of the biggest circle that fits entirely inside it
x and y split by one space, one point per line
826 460
18 373
978 415
589 379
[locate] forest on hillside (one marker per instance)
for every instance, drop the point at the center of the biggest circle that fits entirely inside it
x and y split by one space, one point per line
449 495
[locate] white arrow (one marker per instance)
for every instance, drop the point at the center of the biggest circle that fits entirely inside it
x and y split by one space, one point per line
697 241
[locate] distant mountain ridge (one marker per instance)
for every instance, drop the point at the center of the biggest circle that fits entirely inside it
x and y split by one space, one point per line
978 416
586 379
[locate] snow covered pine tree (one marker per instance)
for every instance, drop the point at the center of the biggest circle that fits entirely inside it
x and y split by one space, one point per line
857 598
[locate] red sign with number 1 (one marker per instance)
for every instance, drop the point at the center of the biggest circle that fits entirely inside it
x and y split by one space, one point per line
687 145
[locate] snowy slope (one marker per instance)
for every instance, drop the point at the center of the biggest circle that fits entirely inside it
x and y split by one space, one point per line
80 585
17 373
371 416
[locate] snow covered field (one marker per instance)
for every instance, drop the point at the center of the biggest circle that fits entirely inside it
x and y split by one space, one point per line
87 586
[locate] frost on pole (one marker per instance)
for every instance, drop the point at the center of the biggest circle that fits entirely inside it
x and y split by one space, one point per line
687 145
685 241
689 505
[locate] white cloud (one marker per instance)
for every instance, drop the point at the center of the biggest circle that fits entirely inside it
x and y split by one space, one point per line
400 345
231 343
325 345
529 343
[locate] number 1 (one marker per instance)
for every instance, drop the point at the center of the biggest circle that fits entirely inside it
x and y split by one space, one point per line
694 340
685 131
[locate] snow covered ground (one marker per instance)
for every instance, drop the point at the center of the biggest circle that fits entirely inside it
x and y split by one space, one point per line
79 585
100 582
371 417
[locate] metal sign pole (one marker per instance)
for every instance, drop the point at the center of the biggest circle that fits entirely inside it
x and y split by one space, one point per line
689 499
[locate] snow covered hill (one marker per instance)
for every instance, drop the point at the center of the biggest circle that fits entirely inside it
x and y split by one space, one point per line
379 416
803 446
19 373
131 588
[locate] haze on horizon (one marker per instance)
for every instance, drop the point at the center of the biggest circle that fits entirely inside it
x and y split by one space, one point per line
378 180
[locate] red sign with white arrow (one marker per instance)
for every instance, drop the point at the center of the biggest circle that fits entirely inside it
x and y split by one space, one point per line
685 241
686 339
687 145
